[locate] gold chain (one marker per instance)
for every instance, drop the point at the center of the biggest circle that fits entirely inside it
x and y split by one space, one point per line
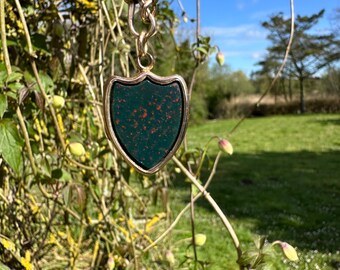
147 10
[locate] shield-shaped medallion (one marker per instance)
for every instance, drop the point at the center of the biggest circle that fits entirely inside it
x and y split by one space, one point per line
146 118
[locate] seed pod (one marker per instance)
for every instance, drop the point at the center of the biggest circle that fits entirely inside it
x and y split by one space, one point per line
200 239
58 102
77 149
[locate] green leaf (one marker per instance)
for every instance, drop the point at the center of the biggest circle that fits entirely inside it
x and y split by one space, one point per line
10 42
61 175
39 43
202 50
194 189
29 77
14 76
46 82
3 105
67 195
3 74
4 267
15 86
11 144
57 173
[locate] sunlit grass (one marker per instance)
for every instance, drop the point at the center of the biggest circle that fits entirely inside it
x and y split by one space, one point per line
283 181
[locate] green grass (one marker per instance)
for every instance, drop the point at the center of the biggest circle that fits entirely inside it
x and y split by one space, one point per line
283 181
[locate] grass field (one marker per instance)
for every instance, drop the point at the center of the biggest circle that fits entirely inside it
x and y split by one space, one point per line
283 181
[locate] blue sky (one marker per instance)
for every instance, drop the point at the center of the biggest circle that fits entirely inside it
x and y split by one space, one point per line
235 25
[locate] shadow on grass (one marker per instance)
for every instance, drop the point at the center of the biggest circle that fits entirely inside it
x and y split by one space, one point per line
294 197
334 122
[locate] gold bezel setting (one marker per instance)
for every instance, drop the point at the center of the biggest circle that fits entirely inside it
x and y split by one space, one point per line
133 81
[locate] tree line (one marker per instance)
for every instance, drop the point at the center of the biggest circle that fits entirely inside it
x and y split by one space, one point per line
312 66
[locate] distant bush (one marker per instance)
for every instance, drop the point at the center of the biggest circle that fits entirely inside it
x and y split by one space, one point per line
230 109
330 82
198 109
321 105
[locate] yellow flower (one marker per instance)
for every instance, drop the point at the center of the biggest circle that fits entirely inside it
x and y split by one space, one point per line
26 264
9 245
34 209
91 5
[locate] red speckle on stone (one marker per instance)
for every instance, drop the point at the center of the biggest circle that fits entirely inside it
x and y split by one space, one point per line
153 130
123 127
117 122
144 128
134 110
135 125
145 114
158 107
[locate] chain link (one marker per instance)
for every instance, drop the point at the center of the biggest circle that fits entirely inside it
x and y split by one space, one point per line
147 11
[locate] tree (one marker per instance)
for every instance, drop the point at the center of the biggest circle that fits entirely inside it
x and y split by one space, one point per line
310 52
331 81
221 85
270 67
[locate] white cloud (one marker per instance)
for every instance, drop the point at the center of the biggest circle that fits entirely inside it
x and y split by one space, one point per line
262 15
243 4
242 44
234 53
252 31
257 55
247 53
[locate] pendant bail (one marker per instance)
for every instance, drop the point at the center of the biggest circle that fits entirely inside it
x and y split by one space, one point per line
147 13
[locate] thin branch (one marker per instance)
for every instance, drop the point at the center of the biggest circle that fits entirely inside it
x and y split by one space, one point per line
179 216
27 33
3 37
27 140
9 71
213 204
37 77
181 6
278 74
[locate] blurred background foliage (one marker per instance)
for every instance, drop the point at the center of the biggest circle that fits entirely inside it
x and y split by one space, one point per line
68 201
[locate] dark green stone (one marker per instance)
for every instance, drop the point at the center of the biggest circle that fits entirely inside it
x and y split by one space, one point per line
146 119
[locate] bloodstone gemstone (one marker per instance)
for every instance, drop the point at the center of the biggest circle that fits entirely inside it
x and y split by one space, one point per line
147 118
